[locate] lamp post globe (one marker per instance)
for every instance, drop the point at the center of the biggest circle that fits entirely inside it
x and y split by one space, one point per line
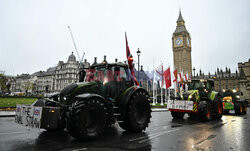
138 54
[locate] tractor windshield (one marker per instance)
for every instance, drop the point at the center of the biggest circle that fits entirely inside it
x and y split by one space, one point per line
195 85
96 74
200 85
104 74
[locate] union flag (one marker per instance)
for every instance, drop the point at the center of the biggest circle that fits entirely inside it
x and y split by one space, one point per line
130 62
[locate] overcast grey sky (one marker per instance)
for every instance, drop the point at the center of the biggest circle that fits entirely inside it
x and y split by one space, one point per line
34 34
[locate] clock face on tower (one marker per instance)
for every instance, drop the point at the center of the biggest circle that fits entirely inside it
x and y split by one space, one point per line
178 41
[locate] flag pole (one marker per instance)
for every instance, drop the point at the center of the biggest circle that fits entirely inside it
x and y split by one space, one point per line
175 85
162 83
169 87
181 87
161 97
169 93
166 96
153 82
147 79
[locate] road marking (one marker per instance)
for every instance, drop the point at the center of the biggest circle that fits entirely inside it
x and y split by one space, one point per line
135 139
80 149
156 133
12 133
152 137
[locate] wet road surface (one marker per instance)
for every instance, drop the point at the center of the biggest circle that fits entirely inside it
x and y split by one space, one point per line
230 133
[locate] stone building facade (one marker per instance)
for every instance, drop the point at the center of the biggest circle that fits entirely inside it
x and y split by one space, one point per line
22 83
58 77
66 73
223 79
244 80
181 44
239 80
226 80
53 80
46 81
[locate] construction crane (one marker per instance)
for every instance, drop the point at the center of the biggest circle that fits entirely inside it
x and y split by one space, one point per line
80 59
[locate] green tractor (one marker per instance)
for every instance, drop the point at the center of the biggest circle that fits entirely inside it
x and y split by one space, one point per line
107 95
200 101
233 102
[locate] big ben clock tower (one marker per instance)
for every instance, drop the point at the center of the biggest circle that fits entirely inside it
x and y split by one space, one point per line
181 42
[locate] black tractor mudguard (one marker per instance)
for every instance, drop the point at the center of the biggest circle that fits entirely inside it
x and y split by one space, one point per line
39 102
87 96
54 96
68 89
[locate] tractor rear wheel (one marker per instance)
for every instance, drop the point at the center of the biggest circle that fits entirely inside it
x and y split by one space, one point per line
87 119
238 108
138 113
205 111
218 109
177 115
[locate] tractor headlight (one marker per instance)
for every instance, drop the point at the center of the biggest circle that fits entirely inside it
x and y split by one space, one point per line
237 96
105 81
51 110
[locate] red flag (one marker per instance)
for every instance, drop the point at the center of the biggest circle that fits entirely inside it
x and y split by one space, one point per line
181 80
186 77
175 75
130 61
167 77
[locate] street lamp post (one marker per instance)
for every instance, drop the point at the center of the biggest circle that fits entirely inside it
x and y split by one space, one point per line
138 53
194 72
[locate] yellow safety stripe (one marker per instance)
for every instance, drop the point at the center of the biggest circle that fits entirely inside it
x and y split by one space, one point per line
195 107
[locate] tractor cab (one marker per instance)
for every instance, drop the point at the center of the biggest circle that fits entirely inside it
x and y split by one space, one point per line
204 87
111 78
232 101
235 95
227 99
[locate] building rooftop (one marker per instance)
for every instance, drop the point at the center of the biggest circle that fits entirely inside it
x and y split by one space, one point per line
180 29
72 57
38 73
180 25
180 18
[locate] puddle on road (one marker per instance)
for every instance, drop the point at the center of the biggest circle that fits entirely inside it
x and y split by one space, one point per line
219 125
196 146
